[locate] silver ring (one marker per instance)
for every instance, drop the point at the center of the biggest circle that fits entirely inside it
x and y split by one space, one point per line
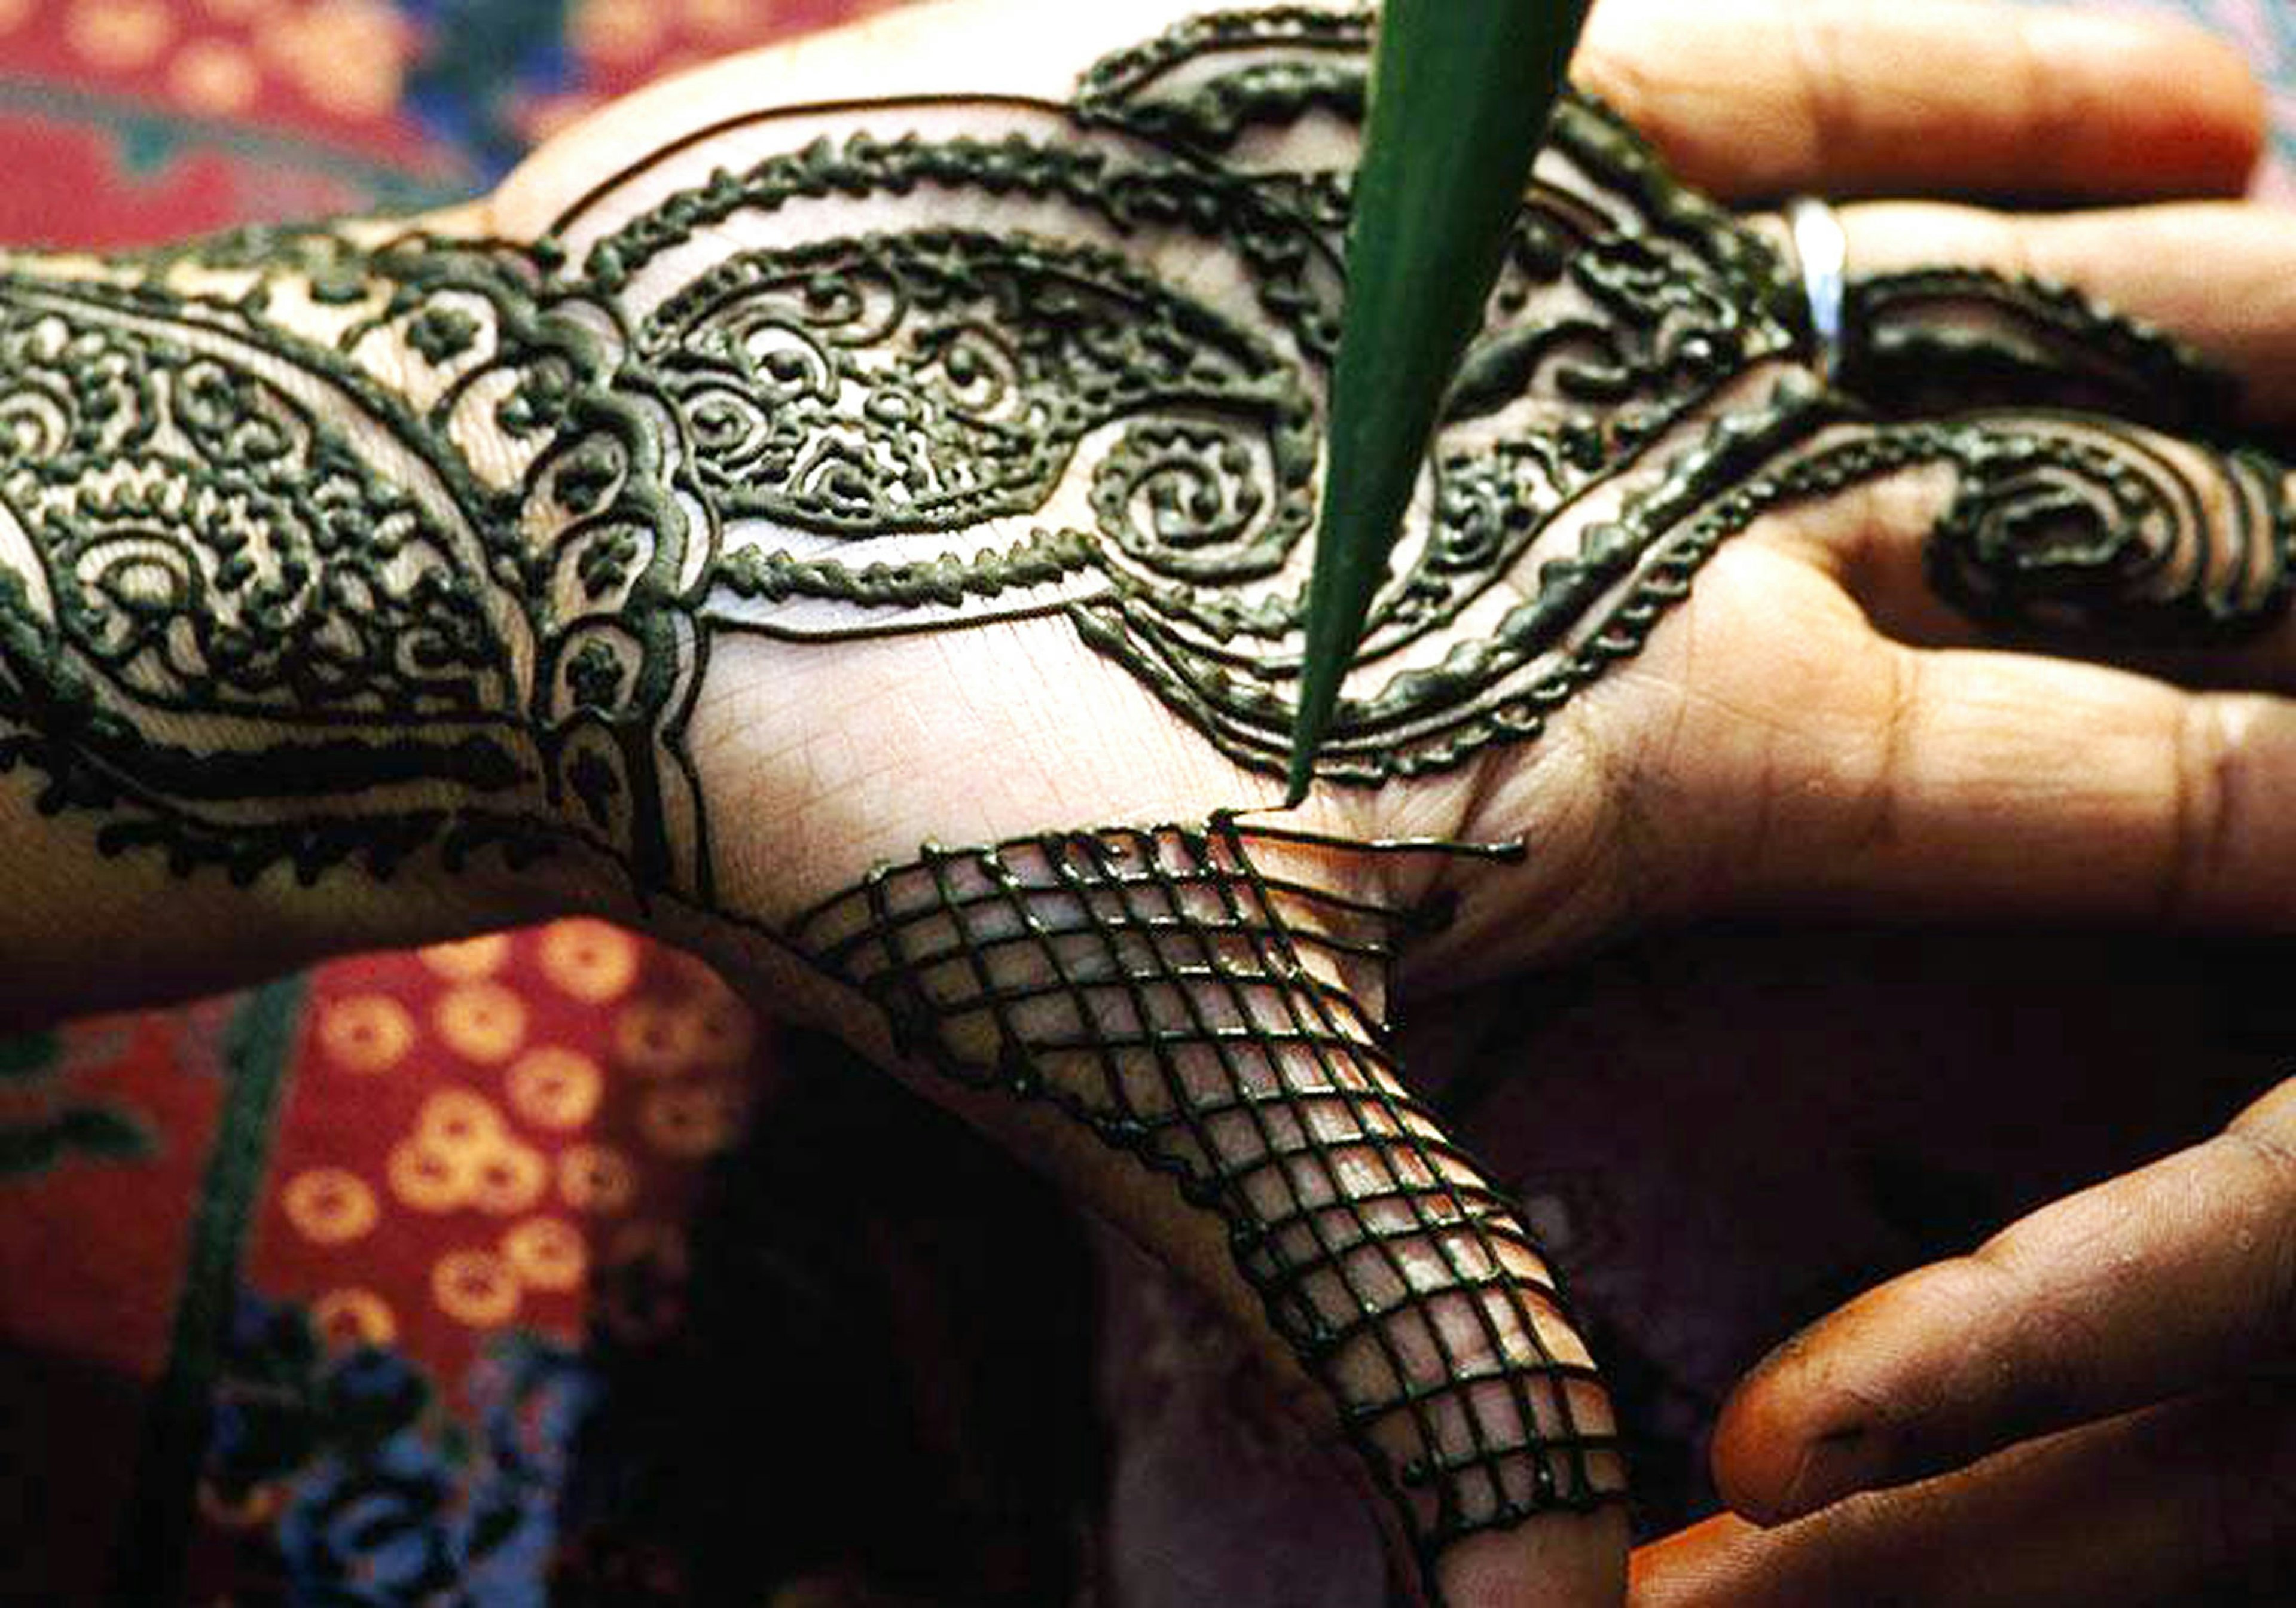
1822 250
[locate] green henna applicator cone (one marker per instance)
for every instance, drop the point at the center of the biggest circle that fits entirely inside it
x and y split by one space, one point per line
1461 91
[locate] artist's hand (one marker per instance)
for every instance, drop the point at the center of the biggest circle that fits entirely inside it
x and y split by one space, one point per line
2095 1408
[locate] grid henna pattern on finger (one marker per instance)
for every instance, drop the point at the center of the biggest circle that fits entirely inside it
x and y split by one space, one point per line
1202 1014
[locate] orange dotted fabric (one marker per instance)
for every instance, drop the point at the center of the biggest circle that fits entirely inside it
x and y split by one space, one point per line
474 1129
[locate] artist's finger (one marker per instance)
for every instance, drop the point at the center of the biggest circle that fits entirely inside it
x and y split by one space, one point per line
2183 1503
1752 98
2173 1279
2220 276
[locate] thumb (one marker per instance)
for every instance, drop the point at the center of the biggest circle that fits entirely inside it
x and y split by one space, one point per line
1183 1025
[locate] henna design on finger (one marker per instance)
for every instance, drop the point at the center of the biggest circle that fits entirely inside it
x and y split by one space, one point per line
1932 341
2106 496
2083 530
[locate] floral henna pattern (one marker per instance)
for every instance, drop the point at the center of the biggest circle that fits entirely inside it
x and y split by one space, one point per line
351 544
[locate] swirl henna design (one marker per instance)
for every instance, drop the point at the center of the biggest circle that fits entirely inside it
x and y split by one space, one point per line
359 544
2105 495
259 602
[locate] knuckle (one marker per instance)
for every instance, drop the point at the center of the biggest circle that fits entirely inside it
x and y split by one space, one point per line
2049 109
1878 825
2270 1238
1821 83
2206 755
2041 1371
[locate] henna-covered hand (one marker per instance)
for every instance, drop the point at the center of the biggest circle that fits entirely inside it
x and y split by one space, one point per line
911 439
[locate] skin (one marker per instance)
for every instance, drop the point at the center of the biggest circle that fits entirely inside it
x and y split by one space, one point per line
1769 749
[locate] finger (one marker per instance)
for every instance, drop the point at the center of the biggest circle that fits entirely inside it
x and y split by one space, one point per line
1832 771
1947 324
2220 276
2176 1277
1748 98
1751 98
2183 1503
1183 1026
2036 528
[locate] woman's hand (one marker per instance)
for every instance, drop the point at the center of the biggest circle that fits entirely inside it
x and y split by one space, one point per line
902 440
1810 728
2092 1409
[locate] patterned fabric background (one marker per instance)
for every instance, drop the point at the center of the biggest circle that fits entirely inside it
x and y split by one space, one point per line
533 1269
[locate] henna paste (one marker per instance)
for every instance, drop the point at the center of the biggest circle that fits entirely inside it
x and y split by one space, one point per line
1161 987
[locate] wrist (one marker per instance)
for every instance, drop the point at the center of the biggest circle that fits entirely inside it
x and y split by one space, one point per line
289 663
89 925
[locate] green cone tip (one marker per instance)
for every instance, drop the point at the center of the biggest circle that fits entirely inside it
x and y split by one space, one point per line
1461 92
